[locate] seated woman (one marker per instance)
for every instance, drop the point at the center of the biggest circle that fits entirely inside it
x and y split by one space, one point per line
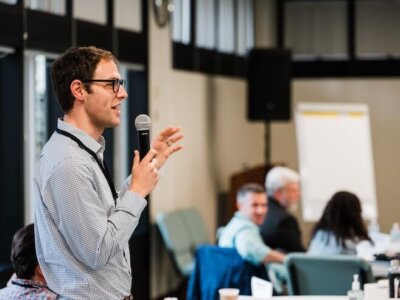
340 228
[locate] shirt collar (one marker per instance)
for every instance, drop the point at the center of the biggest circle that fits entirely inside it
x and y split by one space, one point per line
96 146
239 216
27 282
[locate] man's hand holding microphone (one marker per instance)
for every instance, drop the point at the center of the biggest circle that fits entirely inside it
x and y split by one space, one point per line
148 161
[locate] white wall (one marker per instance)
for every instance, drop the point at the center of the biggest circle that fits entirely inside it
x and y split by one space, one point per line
238 144
181 99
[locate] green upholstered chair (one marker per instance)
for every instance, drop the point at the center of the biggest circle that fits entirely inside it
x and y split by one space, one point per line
182 231
324 275
195 225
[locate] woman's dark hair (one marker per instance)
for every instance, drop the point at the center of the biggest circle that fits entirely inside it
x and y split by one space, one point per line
23 253
342 217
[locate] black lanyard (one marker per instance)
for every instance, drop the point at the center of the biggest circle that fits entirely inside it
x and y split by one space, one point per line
31 286
103 168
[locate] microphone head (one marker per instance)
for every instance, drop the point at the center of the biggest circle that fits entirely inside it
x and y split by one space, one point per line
142 122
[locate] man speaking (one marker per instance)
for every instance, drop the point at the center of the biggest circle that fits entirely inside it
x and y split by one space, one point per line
82 224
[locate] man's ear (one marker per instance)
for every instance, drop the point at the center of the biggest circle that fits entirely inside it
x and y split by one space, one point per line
77 89
278 194
238 205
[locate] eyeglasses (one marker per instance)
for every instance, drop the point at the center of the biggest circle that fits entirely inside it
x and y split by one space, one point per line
116 83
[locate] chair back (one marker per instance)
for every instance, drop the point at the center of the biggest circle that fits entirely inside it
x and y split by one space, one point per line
218 267
195 225
182 231
324 275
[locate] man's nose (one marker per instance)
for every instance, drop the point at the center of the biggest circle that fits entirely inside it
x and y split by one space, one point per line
122 94
260 210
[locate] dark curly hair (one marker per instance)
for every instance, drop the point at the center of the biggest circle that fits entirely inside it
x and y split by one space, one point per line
342 217
76 63
23 253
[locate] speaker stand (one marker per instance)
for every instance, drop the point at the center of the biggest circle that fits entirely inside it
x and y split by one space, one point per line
267 152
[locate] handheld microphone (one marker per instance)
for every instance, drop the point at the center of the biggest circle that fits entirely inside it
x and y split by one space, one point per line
143 124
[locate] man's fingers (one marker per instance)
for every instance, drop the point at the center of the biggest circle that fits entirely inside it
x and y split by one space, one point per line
167 133
154 162
150 156
175 138
175 148
136 158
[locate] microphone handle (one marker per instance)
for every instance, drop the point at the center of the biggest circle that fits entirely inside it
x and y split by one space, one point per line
144 142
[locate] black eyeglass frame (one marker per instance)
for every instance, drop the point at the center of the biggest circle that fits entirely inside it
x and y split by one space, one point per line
116 83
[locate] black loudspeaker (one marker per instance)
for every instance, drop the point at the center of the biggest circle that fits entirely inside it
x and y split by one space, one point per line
269 86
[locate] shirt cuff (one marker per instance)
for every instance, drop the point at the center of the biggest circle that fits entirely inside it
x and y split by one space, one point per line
132 203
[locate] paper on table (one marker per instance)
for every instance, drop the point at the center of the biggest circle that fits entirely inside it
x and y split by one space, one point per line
381 244
260 288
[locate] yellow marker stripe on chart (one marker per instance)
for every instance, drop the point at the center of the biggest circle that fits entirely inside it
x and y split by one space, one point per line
356 114
321 113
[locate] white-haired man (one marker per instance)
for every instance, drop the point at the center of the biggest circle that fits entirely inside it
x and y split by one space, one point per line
280 229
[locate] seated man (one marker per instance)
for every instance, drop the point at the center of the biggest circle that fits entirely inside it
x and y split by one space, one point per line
28 281
242 231
280 229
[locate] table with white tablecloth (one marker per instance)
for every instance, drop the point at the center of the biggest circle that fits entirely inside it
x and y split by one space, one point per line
296 298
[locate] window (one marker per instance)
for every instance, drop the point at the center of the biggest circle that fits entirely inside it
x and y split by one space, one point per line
223 33
124 133
341 38
377 24
226 26
90 10
12 2
245 30
35 119
316 29
4 51
50 6
205 31
127 15
181 21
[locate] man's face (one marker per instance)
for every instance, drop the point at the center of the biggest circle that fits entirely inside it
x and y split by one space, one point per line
103 105
254 207
289 195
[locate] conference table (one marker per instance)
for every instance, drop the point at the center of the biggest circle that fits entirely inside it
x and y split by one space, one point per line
379 268
296 298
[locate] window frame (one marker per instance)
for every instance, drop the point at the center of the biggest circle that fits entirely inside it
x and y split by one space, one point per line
353 66
190 57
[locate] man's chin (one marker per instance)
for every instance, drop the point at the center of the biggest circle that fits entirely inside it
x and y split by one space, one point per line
293 208
258 222
113 124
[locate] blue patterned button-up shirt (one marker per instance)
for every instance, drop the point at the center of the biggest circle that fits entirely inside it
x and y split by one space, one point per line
81 235
27 290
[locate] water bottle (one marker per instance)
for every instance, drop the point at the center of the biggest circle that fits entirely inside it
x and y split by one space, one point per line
373 230
355 293
394 278
395 233
373 227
